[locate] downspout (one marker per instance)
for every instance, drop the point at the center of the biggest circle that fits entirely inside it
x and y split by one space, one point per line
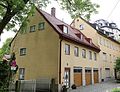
60 61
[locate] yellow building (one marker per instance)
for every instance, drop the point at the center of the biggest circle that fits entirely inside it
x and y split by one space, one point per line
110 48
51 48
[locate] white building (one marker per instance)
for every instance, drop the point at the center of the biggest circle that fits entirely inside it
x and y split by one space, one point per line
107 28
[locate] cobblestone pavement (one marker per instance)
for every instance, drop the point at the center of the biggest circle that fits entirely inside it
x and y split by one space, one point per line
99 87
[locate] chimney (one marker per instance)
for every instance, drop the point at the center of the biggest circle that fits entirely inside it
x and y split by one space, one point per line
53 11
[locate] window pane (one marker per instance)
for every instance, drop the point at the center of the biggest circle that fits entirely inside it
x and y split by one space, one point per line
32 28
22 51
41 26
21 73
76 51
65 29
104 56
90 55
67 49
83 53
95 56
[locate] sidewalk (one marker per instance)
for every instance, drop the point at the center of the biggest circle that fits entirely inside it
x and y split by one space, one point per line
99 87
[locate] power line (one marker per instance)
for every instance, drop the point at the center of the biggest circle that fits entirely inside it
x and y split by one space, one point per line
113 8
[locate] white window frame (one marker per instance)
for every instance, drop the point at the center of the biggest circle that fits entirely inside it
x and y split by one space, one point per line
83 53
21 73
65 29
104 56
95 56
90 55
22 51
76 51
32 28
67 49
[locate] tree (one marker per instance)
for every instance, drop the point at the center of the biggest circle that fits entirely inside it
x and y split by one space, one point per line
8 70
15 12
117 64
5 48
76 8
6 74
117 69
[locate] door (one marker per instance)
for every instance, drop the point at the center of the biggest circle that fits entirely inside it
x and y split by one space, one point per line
88 77
78 77
96 77
107 72
67 77
21 73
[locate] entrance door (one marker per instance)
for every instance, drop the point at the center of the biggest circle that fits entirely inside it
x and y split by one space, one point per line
96 76
107 72
88 77
78 77
67 77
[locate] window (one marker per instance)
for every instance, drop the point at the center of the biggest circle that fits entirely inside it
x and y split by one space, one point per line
90 55
76 51
81 27
77 70
22 51
67 49
32 28
110 57
101 41
41 26
95 56
65 29
83 53
21 73
104 56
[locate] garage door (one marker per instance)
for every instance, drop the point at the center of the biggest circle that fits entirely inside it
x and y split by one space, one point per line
88 77
78 77
96 77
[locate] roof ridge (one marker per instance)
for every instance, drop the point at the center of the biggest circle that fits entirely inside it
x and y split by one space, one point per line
53 16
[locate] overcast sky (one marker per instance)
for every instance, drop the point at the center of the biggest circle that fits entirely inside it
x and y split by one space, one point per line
106 7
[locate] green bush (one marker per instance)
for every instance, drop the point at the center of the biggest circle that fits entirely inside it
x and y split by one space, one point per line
116 90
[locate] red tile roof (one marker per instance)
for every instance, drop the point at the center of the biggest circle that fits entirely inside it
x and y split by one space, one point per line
54 22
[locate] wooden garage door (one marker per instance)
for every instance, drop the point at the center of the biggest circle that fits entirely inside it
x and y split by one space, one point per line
88 77
96 76
78 77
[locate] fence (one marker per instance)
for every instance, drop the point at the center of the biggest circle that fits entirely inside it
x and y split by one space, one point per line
40 85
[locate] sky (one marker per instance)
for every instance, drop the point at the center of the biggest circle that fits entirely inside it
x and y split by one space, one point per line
105 12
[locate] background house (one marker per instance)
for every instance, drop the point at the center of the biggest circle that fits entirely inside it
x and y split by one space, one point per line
110 48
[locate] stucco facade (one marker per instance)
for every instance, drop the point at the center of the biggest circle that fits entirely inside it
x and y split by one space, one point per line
109 47
63 52
71 61
42 51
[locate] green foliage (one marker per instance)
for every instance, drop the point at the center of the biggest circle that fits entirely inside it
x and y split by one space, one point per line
76 8
117 64
4 76
15 12
5 48
116 90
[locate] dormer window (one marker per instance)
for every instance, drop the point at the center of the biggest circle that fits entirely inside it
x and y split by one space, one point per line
81 37
81 27
65 29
